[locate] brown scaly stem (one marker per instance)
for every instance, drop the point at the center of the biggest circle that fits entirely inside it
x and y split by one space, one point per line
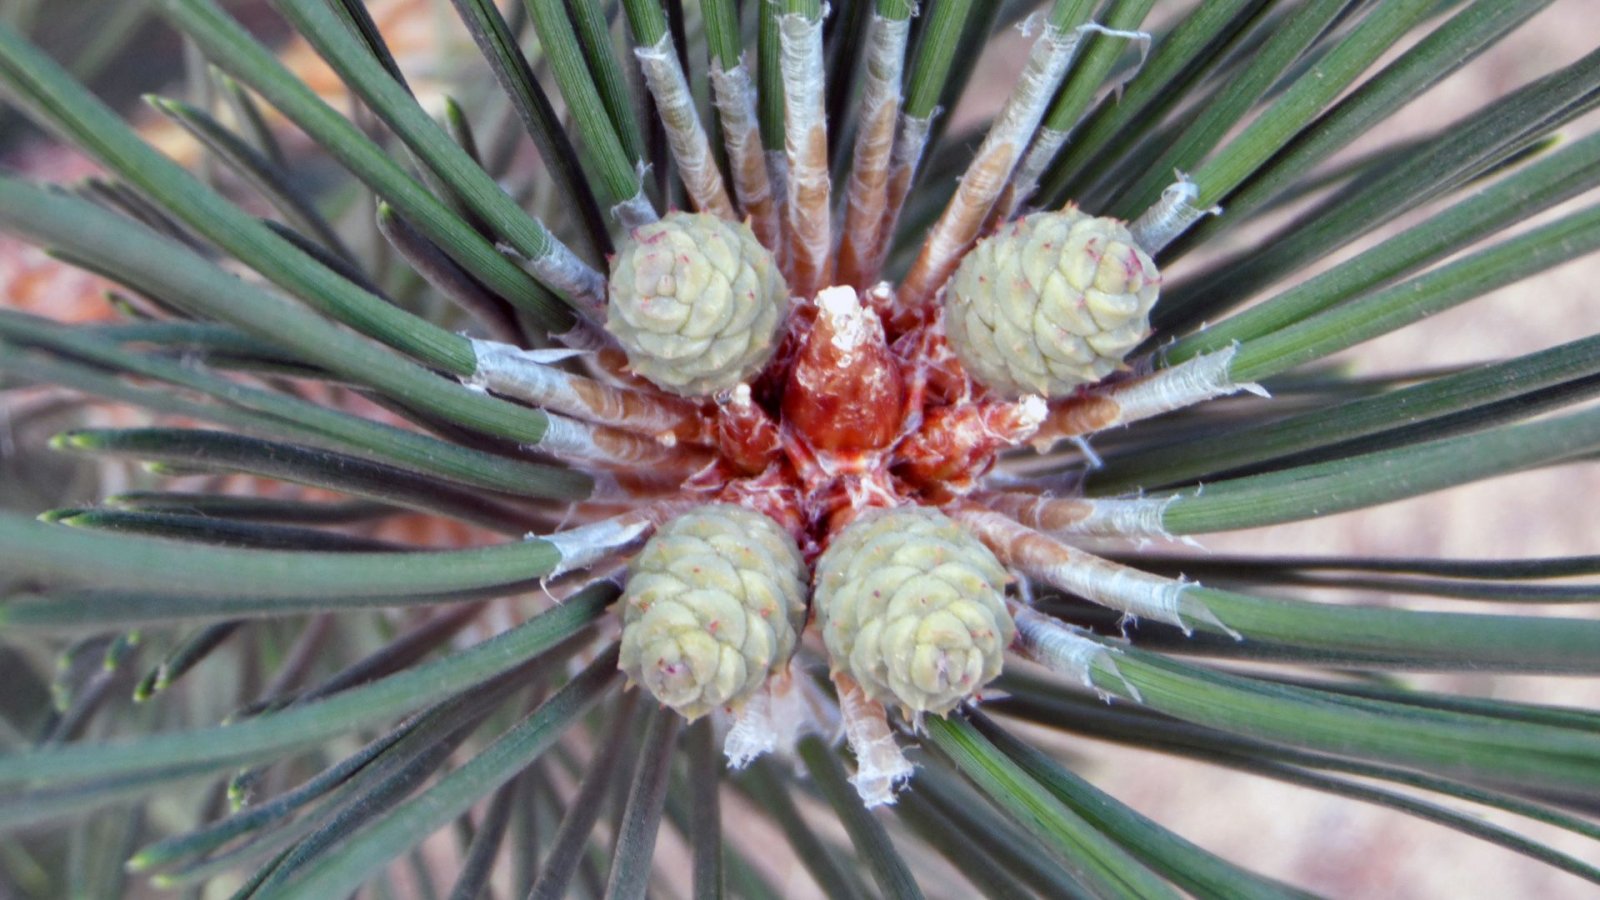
911 352
774 493
947 380
847 496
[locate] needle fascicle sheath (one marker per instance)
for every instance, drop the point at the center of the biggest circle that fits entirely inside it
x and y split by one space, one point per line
1202 378
588 544
1137 517
735 94
605 446
958 226
1129 591
533 377
691 148
772 720
1058 127
881 765
1170 216
808 183
1066 650
867 200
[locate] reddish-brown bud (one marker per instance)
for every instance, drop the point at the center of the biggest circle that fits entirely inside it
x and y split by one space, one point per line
956 443
746 435
844 391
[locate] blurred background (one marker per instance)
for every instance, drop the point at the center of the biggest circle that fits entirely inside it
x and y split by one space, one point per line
1330 845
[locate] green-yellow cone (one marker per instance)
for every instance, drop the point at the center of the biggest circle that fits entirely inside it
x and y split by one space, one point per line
714 604
1050 302
913 608
696 302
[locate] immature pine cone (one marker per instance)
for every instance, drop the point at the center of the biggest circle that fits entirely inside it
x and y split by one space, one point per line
714 605
696 302
1049 302
913 608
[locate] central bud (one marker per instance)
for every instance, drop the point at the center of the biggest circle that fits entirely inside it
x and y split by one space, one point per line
844 392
